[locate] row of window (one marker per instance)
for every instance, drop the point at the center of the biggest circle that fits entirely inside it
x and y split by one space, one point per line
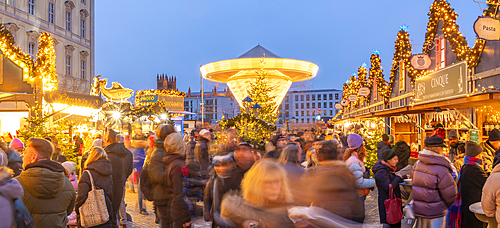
82 67
51 15
312 105
313 97
314 113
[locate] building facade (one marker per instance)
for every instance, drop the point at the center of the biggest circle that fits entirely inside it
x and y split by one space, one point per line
308 106
71 24
216 104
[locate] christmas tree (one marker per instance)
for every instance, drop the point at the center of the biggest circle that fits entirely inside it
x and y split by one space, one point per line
261 93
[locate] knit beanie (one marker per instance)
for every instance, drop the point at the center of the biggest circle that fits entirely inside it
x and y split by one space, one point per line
16 143
69 166
97 142
472 149
354 141
453 134
387 154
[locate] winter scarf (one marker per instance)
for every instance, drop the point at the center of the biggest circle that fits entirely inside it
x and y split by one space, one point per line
468 160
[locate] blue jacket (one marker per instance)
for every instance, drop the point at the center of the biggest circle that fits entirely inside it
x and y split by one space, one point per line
139 155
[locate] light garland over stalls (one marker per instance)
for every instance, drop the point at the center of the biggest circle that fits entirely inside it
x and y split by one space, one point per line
377 76
45 65
15 54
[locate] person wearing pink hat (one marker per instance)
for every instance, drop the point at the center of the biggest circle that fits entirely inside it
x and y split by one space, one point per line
16 144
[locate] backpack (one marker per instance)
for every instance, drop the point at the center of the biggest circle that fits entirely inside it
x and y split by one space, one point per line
145 183
22 215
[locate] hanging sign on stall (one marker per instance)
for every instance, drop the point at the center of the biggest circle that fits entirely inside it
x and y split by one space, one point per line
487 28
364 91
447 83
74 99
338 106
352 97
148 99
474 135
344 102
420 61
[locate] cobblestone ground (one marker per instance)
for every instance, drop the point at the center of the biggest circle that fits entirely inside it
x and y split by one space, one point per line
138 220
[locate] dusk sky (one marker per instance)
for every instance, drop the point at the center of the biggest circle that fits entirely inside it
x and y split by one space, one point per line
137 40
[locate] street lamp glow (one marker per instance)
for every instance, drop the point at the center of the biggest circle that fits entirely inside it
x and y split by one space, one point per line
116 115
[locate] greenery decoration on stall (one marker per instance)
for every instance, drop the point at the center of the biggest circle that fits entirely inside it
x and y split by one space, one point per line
372 137
159 92
15 54
377 77
45 65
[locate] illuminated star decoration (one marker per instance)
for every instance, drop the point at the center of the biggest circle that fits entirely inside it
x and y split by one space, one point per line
404 27
376 52
363 65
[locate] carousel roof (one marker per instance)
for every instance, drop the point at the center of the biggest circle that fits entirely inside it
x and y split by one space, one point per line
257 52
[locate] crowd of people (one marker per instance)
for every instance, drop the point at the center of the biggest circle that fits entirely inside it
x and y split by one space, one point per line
300 179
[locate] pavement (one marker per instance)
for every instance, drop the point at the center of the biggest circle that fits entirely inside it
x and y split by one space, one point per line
138 220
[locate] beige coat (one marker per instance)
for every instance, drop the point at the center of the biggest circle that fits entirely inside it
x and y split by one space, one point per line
490 199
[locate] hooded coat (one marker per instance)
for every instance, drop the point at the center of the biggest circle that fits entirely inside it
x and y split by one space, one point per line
384 176
101 174
201 153
403 152
434 189
49 196
490 199
9 191
15 162
121 167
165 170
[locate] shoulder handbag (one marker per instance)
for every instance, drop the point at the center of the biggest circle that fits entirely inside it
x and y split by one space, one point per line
393 208
94 211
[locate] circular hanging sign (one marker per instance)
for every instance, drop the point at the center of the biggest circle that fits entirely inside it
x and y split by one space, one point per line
352 97
338 106
420 61
364 91
344 102
487 28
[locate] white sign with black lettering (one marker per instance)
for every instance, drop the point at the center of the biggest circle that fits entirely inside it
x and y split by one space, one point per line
487 28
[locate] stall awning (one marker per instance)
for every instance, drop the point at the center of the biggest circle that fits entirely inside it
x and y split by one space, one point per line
74 104
182 112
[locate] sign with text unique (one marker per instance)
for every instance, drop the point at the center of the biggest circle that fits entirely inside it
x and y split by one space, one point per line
352 97
338 106
148 99
487 28
444 84
364 91
173 103
74 99
474 135
420 61
344 102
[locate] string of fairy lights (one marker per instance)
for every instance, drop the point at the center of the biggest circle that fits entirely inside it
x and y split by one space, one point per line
439 11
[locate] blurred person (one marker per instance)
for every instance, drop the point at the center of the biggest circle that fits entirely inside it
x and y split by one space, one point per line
10 190
381 145
264 200
87 141
453 145
71 175
343 141
4 160
311 160
96 142
244 158
470 183
384 176
279 141
201 151
79 148
490 198
434 188
127 142
166 178
403 152
391 141
290 158
14 160
439 130
190 160
138 149
354 157
100 168
217 186
331 185
121 167
269 146
491 149
48 195
459 159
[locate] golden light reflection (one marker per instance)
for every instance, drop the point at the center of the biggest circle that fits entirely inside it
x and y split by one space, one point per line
74 110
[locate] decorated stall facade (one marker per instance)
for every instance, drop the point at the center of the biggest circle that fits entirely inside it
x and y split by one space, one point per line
448 82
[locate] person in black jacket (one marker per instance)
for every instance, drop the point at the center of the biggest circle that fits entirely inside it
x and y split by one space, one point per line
202 150
166 177
100 168
472 179
385 176
403 152
122 165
